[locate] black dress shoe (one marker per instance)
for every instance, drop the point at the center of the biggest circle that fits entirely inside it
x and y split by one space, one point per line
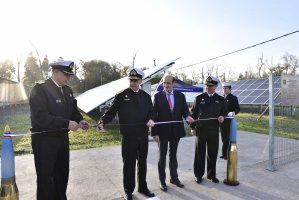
214 179
146 192
163 187
198 180
223 157
128 196
177 182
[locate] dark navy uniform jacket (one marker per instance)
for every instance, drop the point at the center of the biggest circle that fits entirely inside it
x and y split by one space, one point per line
134 110
208 107
232 103
51 110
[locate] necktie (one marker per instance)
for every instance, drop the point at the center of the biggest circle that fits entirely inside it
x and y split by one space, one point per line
169 101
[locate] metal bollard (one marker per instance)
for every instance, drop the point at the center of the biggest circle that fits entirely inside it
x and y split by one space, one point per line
9 189
231 175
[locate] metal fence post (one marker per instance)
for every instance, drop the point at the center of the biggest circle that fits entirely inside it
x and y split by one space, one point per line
270 166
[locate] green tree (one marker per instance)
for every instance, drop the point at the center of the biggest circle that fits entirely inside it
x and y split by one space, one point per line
291 63
32 71
97 72
45 67
277 70
7 70
241 77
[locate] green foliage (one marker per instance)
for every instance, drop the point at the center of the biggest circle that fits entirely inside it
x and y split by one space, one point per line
7 69
97 72
18 120
32 72
285 126
156 79
45 67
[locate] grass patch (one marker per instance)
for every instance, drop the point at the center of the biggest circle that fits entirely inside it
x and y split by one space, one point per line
19 121
285 126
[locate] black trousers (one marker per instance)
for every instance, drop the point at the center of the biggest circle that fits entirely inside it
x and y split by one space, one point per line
206 139
173 163
225 133
134 147
51 157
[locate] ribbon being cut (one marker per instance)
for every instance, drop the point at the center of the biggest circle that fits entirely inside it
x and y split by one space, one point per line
12 134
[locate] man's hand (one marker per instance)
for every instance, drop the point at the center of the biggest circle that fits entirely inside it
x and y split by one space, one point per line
193 131
220 119
190 120
73 126
150 123
100 127
84 125
157 139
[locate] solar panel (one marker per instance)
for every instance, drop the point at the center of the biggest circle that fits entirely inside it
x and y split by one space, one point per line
253 86
254 91
263 86
248 100
243 87
245 93
261 100
257 93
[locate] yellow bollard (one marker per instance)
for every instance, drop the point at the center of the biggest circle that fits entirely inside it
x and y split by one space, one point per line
9 189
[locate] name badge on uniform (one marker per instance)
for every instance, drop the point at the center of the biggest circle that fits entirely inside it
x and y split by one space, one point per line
202 102
58 101
216 101
127 98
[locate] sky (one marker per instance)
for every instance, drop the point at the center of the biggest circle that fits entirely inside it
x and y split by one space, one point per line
161 30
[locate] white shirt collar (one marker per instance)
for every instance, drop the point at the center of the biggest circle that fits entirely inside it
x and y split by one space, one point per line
56 83
168 92
136 90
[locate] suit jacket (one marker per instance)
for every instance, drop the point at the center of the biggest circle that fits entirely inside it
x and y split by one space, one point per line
162 113
232 103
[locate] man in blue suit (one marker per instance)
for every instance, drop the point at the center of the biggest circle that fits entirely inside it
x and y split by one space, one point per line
169 105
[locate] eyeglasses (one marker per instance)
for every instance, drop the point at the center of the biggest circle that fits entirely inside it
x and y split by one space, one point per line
134 80
166 83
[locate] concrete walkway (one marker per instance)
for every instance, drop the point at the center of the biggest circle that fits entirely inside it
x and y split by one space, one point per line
96 174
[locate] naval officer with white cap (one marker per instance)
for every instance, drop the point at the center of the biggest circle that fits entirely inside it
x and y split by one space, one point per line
207 105
233 108
135 111
53 114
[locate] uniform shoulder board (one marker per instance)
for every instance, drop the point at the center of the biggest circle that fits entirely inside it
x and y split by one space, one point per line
40 82
122 91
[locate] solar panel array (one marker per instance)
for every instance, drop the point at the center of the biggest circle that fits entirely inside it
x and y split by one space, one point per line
254 91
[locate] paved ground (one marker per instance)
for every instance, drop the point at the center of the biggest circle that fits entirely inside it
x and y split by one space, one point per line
96 174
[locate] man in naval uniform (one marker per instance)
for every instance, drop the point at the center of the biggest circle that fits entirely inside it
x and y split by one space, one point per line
207 105
233 107
135 112
53 114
